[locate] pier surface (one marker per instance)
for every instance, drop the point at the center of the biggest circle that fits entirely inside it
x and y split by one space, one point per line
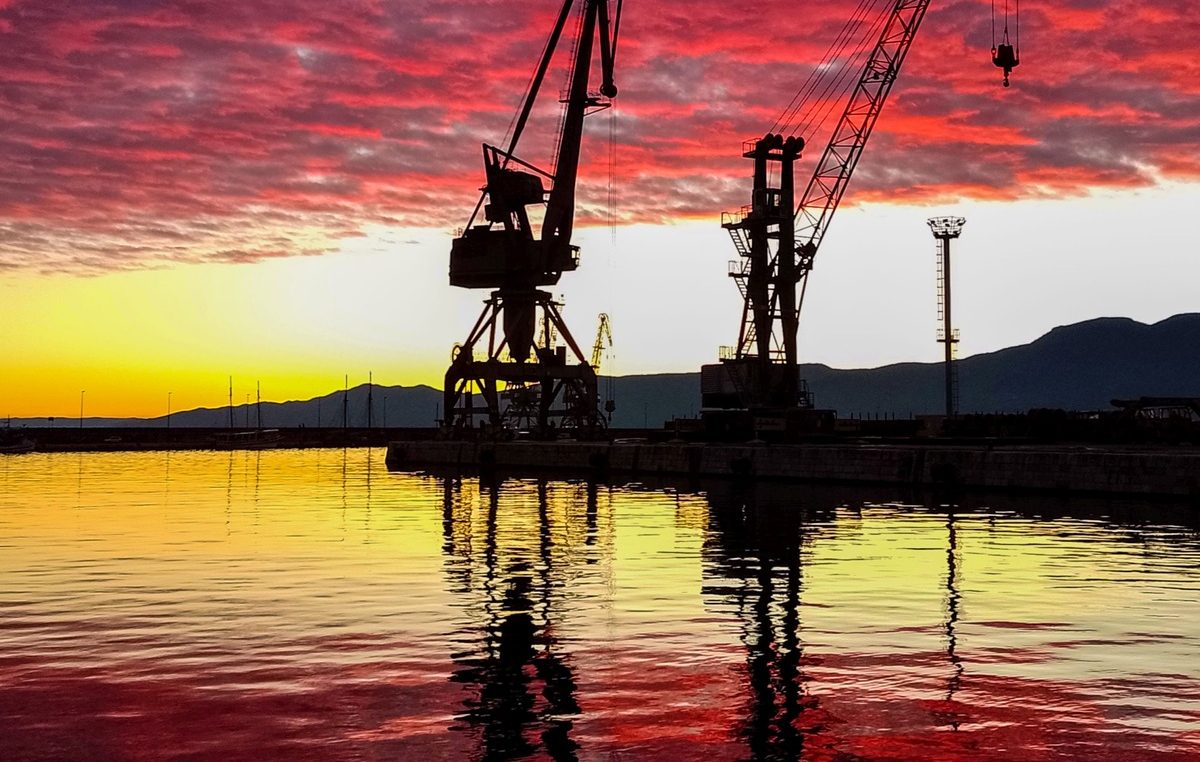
1167 472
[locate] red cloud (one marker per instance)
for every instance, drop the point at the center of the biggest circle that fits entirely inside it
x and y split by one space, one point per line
135 132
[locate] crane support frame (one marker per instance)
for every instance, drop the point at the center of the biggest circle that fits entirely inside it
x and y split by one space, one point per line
558 391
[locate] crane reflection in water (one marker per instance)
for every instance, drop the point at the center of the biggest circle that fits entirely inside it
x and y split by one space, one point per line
815 633
511 562
754 561
511 569
759 544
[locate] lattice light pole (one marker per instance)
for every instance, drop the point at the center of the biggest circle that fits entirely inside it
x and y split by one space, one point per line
945 229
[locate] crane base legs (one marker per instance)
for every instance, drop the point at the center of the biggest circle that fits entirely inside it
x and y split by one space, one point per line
552 391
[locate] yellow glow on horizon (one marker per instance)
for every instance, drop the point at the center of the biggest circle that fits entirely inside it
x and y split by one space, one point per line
295 325
382 303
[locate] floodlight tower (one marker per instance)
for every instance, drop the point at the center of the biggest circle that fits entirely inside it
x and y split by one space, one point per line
946 229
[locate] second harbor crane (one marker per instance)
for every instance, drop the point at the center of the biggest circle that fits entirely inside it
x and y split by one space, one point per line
756 387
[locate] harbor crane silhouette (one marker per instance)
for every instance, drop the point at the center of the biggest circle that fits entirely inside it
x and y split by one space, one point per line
756 386
500 252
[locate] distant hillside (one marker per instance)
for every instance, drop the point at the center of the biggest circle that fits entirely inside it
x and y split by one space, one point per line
393 405
1076 367
405 406
650 400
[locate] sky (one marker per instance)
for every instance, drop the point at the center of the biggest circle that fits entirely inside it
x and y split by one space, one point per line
268 190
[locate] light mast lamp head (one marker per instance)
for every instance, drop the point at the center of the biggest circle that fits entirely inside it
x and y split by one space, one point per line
947 227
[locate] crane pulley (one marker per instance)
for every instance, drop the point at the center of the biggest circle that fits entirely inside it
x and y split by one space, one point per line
1006 54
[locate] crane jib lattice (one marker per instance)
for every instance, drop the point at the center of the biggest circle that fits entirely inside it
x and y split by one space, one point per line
833 171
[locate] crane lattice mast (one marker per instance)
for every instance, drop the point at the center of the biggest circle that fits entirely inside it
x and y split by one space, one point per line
832 174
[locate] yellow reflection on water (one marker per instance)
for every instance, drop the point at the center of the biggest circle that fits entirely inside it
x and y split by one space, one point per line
460 616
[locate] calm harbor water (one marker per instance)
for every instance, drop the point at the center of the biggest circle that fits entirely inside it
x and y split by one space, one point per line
310 605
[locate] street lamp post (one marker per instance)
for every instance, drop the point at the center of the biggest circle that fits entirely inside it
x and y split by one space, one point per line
81 393
169 411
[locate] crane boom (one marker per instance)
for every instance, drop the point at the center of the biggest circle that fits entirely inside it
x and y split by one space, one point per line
603 338
560 205
832 174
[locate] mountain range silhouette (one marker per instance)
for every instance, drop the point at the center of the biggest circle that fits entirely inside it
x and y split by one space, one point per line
1082 366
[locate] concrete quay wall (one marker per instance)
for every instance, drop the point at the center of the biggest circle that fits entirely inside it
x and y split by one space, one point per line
1163 472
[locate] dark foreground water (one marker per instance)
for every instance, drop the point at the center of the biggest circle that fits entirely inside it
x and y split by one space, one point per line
311 606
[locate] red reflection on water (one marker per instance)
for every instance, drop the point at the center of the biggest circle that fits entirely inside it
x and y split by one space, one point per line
319 713
991 717
843 709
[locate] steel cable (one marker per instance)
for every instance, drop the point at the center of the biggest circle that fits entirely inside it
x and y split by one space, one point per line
848 37
835 49
851 76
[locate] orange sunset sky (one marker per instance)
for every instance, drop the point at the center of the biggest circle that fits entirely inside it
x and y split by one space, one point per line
268 190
